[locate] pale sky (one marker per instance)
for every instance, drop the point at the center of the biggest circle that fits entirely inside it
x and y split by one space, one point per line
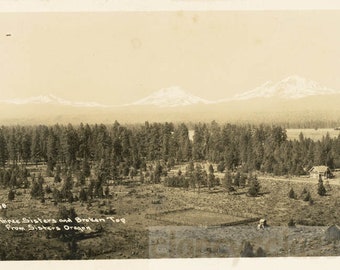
119 57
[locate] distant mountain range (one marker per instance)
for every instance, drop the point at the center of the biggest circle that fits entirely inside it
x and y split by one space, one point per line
171 97
293 87
291 98
50 99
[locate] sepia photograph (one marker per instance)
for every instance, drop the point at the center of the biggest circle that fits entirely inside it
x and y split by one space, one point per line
187 133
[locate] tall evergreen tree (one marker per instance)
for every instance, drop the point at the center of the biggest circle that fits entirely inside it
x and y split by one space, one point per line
321 187
254 188
3 149
11 195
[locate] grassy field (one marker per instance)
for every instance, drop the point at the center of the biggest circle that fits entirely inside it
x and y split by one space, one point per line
196 217
142 237
314 134
293 133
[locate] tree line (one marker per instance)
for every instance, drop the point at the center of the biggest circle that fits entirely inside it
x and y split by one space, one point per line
117 150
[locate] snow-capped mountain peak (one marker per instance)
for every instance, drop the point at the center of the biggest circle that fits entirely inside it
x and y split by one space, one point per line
50 99
171 97
292 87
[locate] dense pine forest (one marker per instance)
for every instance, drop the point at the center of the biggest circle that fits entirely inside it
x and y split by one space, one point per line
119 151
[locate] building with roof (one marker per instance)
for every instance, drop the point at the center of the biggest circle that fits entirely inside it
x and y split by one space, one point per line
323 171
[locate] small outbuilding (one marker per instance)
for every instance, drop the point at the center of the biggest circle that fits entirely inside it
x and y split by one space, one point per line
323 171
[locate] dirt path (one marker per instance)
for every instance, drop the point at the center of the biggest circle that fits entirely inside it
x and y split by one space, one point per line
335 182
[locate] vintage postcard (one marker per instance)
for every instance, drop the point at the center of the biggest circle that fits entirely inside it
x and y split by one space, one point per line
136 132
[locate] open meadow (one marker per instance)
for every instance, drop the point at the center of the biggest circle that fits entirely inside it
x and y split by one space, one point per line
314 134
155 221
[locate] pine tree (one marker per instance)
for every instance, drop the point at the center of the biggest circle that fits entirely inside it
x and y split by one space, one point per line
307 197
247 250
37 190
321 188
11 195
66 214
57 178
291 223
86 169
260 252
3 149
198 176
66 190
227 181
211 180
141 178
56 195
48 190
90 189
243 179
211 169
81 178
35 147
13 180
292 194
51 150
70 197
82 195
237 179
303 193
107 191
157 173
26 147
254 187
220 166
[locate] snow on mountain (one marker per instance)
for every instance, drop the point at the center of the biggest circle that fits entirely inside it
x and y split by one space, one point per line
50 99
171 97
293 87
